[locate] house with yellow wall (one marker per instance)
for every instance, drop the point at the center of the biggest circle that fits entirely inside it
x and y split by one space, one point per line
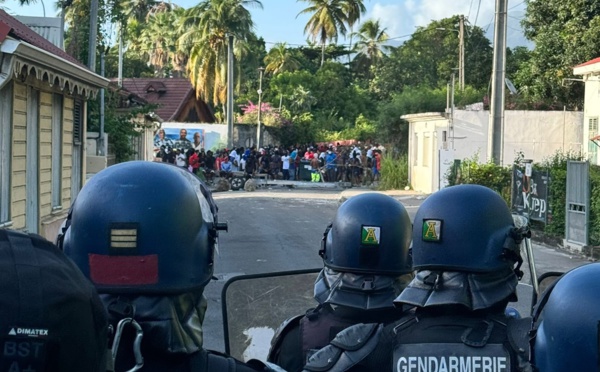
43 93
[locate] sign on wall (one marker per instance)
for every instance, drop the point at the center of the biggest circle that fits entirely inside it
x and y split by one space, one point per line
530 193
195 136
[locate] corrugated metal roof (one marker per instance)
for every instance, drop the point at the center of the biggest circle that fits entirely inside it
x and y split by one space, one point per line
22 32
46 27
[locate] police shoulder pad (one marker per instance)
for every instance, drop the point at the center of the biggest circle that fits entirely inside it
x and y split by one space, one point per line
280 333
324 359
355 337
518 335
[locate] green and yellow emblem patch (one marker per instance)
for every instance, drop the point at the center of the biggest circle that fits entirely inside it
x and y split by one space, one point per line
371 235
432 230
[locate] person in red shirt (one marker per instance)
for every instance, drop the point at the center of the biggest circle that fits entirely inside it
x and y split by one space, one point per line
376 165
194 161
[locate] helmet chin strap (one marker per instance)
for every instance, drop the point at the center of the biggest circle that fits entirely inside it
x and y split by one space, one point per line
434 279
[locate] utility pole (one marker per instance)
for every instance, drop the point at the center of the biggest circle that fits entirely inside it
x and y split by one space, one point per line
258 129
100 144
496 124
120 70
461 58
93 35
230 92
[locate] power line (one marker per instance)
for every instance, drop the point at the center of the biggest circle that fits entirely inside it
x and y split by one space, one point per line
477 14
514 6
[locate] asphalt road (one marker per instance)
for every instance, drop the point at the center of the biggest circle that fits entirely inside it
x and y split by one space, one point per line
281 229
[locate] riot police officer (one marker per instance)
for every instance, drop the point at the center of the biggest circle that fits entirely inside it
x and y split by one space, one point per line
466 253
144 234
366 260
567 320
51 316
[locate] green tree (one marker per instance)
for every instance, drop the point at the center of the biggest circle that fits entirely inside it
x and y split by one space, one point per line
565 34
354 10
157 43
205 40
327 22
280 59
430 57
370 45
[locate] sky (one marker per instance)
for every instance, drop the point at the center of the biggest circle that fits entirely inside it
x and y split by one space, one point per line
279 21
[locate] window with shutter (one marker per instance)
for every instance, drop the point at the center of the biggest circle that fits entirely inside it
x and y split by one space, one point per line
77 121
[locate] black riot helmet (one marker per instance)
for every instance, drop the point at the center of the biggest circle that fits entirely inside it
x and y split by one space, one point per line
466 250
51 316
370 234
568 323
143 228
462 228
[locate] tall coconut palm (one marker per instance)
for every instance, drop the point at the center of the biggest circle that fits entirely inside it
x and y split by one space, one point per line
207 27
280 59
327 22
138 9
370 44
156 41
354 10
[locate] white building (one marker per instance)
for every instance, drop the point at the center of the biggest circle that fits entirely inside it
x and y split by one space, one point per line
435 141
591 76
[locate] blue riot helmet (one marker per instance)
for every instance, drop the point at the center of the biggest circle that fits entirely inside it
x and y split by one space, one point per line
466 250
568 319
365 252
143 228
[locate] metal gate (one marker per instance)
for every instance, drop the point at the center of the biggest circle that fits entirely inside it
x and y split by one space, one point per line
577 213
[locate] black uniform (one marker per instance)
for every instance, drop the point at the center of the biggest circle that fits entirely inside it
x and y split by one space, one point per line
444 339
304 335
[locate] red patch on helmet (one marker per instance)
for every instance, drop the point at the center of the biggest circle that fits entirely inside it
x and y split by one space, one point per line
123 270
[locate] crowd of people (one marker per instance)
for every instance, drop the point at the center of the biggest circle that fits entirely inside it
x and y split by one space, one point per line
394 294
357 164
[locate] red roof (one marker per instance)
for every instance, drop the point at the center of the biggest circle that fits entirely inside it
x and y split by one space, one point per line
595 60
24 33
171 94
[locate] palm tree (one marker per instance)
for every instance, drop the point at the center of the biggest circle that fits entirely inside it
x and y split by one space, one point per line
327 22
280 59
302 99
207 27
138 9
157 41
370 45
354 10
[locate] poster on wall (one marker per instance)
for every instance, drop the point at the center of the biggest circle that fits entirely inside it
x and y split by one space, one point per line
187 137
530 193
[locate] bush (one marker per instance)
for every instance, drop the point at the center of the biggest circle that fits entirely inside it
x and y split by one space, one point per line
470 171
394 172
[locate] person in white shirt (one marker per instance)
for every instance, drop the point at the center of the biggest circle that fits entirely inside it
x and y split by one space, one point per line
234 158
180 159
285 160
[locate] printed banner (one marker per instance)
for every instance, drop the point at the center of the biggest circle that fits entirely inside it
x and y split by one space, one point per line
530 193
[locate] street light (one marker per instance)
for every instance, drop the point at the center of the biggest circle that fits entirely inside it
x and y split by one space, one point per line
260 71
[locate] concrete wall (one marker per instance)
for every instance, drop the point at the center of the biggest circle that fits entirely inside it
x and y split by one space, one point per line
537 134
